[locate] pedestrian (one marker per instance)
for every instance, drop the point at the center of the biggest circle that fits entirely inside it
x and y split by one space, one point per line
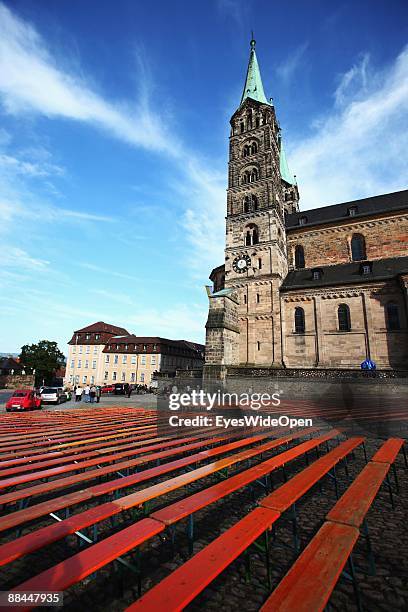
86 394
98 394
78 393
92 394
129 391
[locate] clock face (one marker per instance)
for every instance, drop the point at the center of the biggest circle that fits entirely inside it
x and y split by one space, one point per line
241 263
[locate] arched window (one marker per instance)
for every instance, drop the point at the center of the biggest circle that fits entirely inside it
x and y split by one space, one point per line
343 314
251 235
242 126
358 250
254 175
255 202
299 257
392 316
247 204
250 203
254 148
299 320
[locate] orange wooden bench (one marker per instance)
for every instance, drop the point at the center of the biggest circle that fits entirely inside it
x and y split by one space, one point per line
309 583
51 533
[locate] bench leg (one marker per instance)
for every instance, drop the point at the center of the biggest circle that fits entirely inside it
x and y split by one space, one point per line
190 533
296 543
365 452
390 491
405 455
370 555
355 584
394 470
267 559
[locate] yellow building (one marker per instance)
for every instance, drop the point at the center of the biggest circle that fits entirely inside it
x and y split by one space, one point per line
103 354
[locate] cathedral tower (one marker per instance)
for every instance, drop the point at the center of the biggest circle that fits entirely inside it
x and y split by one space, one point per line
260 192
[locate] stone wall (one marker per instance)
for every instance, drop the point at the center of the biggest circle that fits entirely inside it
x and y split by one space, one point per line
385 236
17 381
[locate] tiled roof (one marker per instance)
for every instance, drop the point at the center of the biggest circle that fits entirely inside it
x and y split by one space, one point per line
344 274
340 212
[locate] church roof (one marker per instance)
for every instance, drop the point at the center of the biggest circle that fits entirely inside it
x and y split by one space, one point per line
253 87
340 212
345 274
284 167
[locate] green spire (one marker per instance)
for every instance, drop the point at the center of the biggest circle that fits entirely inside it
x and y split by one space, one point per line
284 168
253 84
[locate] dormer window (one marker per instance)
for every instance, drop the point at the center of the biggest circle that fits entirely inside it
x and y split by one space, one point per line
316 274
87 336
352 211
302 220
366 268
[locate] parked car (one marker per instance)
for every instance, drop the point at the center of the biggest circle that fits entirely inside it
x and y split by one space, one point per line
119 389
23 399
108 389
53 395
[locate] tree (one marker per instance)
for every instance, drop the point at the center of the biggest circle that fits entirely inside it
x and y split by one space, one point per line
45 357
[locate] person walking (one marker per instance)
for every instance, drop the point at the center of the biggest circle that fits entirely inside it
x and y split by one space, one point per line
92 394
78 393
86 394
129 391
98 394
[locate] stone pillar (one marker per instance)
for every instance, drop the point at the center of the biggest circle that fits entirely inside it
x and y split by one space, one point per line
222 334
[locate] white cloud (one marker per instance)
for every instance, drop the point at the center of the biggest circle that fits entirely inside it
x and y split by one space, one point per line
18 258
359 148
287 69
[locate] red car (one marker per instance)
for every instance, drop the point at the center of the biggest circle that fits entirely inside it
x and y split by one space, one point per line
23 399
108 389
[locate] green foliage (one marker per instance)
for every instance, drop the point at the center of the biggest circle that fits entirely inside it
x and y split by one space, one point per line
45 357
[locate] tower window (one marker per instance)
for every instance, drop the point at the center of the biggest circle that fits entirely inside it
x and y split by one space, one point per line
260 264
250 203
259 345
242 127
258 299
245 299
316 274
299 320
251 235
392 316
358 249
343 315
299 257
352 211
302 220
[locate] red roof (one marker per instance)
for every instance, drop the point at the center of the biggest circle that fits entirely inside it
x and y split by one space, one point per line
100 327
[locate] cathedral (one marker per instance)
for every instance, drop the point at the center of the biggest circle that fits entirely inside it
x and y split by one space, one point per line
325 288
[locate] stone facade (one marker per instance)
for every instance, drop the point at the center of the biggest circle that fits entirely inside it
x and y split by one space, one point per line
325 288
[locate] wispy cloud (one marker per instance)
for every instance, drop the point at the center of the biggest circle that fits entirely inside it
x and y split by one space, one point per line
287 69
359 147
16 257
106 272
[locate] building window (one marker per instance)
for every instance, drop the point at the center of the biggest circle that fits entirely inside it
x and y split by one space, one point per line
260 264
352 211
143 359
133 359
95 350
258 298
97 336
124 358
92 380
299 320
142 377
86 364
88 349
250 203
72 363
74 349
155 347
366 268
153 359
114 375
71 379
115 359
123 376
245 299
106 358
251 235
87 336
132 377
392 316
84 379
358 249
79 363
299 257
80 350
258 345
106 376
343 314
94 364
145 347
302 220
316 274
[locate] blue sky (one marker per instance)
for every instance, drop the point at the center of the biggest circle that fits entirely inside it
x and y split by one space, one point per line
114 138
